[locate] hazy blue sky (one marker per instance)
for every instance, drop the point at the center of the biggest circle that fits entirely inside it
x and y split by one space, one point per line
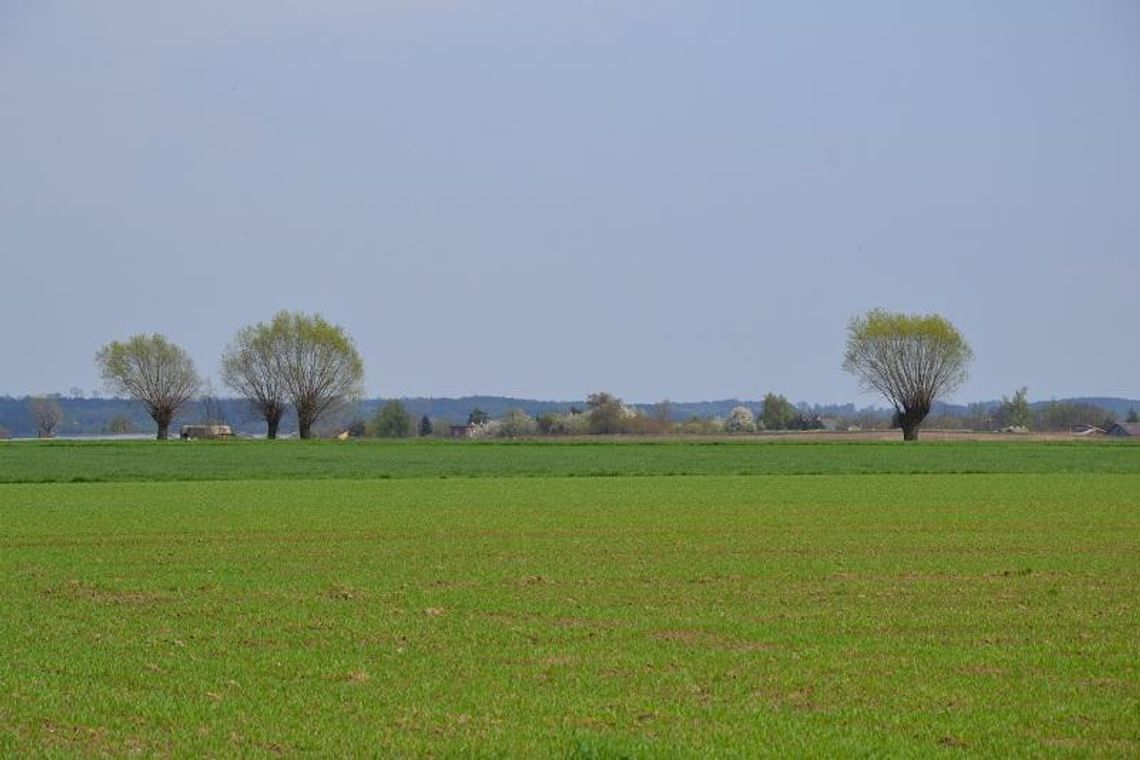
682 199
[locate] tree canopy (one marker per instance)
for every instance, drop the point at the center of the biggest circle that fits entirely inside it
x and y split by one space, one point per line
777 412
152 370
46 414
318 365
1015 412
392 421
911 359
250 367
606 413
740 420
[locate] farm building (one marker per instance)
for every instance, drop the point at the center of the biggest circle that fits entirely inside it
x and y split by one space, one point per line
1125 430
462 431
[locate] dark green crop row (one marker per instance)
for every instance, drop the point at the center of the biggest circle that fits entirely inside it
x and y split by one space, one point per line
64 461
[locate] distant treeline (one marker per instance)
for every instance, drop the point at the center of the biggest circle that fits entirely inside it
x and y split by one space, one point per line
99 416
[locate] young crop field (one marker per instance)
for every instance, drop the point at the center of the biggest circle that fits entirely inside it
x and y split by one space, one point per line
585 600
87 461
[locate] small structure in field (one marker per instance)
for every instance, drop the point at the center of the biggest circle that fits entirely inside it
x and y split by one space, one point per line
205 431
462 431
1125 430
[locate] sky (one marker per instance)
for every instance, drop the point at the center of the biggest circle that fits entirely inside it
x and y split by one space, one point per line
660 199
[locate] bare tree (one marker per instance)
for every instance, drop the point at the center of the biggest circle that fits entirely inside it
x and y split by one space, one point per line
318 366
152 370
212 411
46 414
911 359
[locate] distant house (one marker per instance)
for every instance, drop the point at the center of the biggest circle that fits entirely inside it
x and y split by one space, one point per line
1125 430
462 431
206 431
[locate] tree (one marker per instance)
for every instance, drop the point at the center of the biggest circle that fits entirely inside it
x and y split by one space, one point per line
550 423
46 414
1067 415
777 412
1015 412
740 420
606 413
392 421
911 359
1132 416
516 423
318 366
477 417
153 371
251 367
425 426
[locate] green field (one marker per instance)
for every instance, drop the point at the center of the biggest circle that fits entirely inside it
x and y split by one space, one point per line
85 461
587 599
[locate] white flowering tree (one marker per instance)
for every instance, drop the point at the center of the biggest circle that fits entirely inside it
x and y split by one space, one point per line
740 420
516 423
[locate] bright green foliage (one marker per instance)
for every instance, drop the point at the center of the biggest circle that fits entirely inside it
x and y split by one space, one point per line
832 615
153 371
319 367
392 421
777 412
252 366
911 359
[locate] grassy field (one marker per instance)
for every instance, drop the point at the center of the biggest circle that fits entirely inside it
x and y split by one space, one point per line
266 599
86 461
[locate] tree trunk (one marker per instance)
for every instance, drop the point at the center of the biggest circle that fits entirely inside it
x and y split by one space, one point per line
910 419
163 429
272 421
304 426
